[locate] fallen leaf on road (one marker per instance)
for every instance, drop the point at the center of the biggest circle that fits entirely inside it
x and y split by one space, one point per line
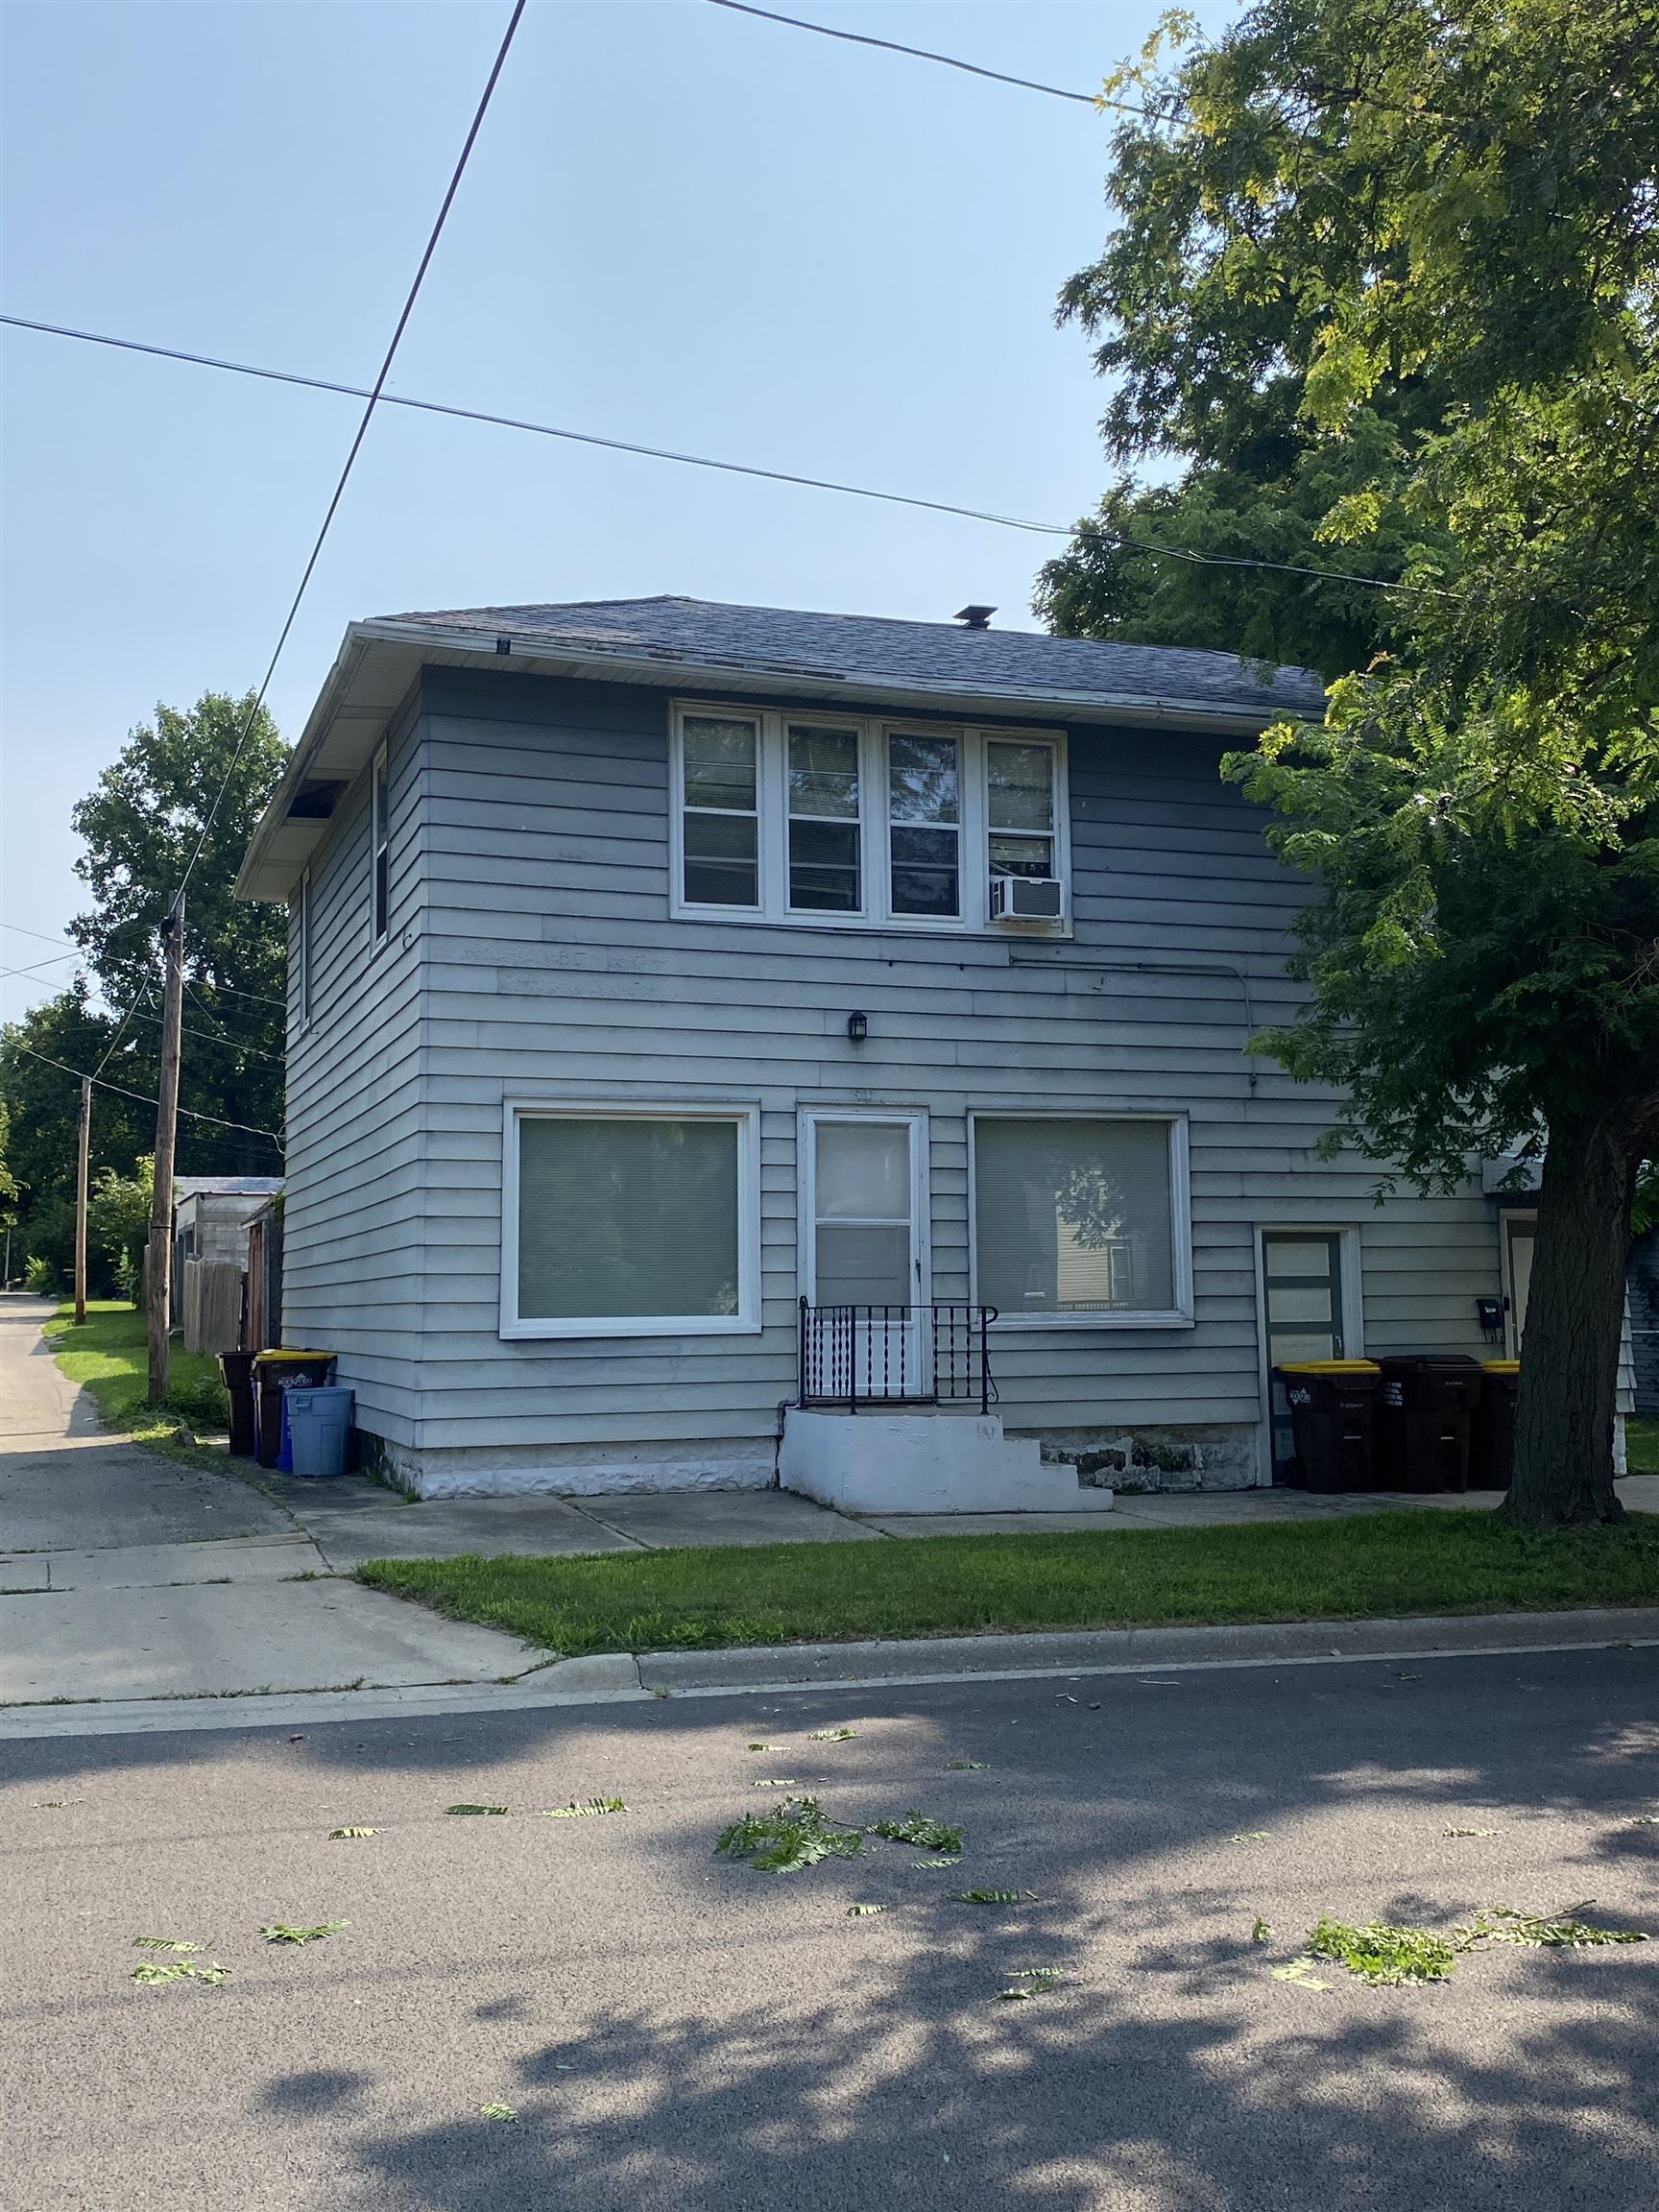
280 1932
162 1943
1549 1931
1031 1982
995 1896
777 1782
1251 1835
582 1809
918 1828
1260 1931
1300 1975
474 1808
763 1746
1451 1831
863 1911
296 1739
797 1834
494 2112
963 1766
831 1734
341 1835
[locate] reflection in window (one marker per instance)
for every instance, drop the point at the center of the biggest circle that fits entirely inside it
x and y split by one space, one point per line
824 849
1020 807
924 810
1073 1217
721 822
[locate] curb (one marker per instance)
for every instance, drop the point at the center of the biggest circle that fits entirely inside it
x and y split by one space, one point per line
613 1679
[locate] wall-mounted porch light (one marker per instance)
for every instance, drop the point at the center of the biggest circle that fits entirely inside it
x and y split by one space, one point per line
857 1028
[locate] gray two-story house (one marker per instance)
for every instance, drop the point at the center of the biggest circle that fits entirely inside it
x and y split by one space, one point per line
697 1012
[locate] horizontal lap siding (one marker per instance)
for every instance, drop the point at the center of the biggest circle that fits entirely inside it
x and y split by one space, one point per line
551 968
354 1255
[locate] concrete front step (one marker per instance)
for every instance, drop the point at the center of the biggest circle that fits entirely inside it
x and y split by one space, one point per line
910 1463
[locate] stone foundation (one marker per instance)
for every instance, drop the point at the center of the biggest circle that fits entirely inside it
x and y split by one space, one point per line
1212 1456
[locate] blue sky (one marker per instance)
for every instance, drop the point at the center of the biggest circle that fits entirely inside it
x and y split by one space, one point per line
680 226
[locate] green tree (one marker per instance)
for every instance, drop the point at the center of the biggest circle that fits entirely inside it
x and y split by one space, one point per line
118 1222
141 825
1388 271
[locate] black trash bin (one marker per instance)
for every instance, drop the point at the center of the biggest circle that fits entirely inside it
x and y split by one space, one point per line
237 1369
275 1374
1425 1420
1492 1456
1334 1417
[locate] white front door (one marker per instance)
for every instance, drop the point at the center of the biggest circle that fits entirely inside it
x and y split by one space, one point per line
1520 1234
865 1229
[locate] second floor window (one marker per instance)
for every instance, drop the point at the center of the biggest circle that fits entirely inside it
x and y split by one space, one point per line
812 818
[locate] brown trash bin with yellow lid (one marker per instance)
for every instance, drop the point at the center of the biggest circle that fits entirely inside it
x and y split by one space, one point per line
1334 1417
275 1374
1425 1420
1492 1452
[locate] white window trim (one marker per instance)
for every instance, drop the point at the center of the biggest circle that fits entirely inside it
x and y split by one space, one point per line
1181 1314
745 1322
772 789
302 949
915 1118
379 838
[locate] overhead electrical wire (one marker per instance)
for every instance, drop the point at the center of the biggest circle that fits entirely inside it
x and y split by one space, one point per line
372 397
121 1091
922 54
1124 544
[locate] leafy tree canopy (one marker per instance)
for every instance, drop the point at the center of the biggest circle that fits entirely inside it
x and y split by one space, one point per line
1386 290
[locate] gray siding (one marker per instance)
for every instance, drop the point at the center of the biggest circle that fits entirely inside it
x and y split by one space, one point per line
353 1218
531 833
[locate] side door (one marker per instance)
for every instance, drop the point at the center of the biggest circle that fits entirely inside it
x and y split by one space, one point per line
865 1258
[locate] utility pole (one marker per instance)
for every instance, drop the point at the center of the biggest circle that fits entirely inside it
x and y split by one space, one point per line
81 1198
159 1282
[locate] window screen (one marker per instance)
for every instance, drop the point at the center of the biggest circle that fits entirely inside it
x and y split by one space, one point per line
1020 807
824 859
721 822
1073 1217
632 1218
923 811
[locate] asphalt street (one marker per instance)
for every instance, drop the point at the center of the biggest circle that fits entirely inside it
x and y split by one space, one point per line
672 2030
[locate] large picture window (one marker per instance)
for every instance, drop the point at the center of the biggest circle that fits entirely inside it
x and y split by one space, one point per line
628 1222
868 823
1080 1220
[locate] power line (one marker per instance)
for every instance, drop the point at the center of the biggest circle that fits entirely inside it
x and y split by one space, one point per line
40 964
189 1113
922 54
261 997
437 231
1148 546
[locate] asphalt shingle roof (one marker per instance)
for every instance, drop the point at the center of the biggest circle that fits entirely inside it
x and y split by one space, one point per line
942 656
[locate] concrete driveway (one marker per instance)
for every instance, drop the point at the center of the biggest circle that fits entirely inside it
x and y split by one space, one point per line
677 2034
127 1575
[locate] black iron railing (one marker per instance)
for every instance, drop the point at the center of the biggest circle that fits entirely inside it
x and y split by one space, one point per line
856 1355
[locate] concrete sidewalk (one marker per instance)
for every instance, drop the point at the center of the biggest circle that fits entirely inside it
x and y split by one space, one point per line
124 1575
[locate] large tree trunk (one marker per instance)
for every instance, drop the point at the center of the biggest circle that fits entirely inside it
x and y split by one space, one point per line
1576 1309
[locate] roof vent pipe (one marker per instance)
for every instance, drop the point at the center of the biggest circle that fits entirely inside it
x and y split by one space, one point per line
975 617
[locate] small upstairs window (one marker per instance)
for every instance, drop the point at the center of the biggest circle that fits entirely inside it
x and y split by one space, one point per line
380 847
824 871
720 810
923 814
1020 807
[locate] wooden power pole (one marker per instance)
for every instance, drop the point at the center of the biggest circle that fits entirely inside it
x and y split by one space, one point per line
80 1197
159 1282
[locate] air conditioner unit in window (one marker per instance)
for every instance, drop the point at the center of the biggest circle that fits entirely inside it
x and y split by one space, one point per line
1024 899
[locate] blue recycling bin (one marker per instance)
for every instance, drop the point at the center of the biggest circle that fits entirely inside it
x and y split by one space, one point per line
319 1425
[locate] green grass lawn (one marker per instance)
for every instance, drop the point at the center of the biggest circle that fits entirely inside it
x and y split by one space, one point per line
1375 1565
110 1353
1641 1445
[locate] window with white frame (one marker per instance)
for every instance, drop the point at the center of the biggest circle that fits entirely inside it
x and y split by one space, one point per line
720 810
630 1221
1081 1219
816 818
380 846
303 951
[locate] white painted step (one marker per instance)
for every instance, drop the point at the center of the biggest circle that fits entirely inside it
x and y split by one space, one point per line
913 1463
